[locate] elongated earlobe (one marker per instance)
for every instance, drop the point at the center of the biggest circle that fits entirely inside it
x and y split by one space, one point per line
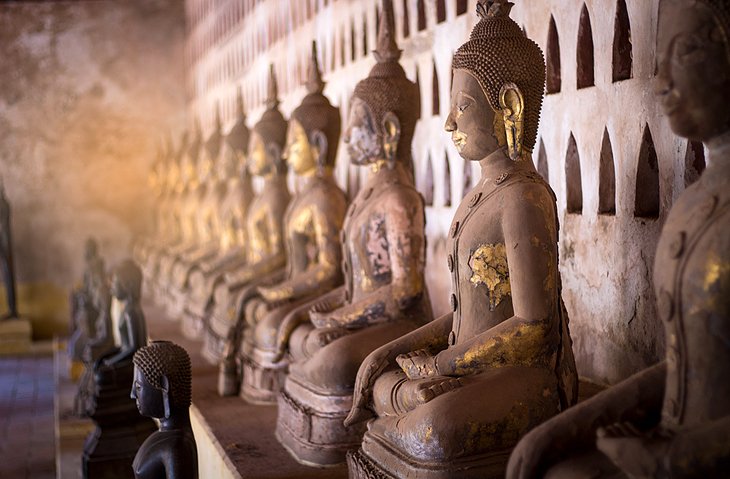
512 104
391 137
166 396
274 153
318 140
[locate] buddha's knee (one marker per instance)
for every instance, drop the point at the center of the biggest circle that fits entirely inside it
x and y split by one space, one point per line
333 367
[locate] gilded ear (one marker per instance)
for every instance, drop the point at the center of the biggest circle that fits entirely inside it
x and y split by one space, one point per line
318 141
391 136
512 104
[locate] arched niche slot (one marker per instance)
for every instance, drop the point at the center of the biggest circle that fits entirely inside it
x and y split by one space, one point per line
343 50
461 6
421 15
694 162
428 182
440 11
607 178
646 203
406 24
467 179
542 162
573 181
622 53
552 61
377 19
584 55
353 42
435 96
364 36
447 181
420 93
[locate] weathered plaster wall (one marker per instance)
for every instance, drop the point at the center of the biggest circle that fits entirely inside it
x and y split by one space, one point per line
87 89
606 259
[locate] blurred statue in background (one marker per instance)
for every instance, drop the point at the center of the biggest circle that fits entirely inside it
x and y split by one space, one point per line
452 398
162 389
83 311
209 274
6 257
312 227
673 419
384 253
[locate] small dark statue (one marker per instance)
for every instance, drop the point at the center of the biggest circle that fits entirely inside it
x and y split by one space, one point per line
671 420
111 447
83 312
162 388
6 257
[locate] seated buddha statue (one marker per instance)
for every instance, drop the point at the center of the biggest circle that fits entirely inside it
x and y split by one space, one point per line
384 250
162 389
212 193
265 250
207 274
83 314
120 431
312 227
672 419
452 398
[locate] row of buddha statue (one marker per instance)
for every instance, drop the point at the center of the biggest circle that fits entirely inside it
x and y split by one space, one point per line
321 306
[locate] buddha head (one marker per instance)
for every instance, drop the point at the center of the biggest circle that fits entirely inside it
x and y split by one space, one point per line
207 164
268 137
497 89
238 138
314 128
162 383
127 281
91 250
693 78
384 106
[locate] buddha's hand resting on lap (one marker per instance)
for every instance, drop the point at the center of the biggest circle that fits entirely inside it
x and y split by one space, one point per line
323 319
321 337
372 367
418 364
638 454
431 389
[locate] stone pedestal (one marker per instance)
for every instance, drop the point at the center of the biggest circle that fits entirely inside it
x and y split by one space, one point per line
15 336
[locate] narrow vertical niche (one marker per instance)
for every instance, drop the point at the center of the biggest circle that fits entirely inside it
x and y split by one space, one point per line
461 6
542 162
435 97
406 21
694 162
440 11
421 15
606 178
585 74
365 36
377 19
447 180
353 42
428 182
622 52
420 93
343 54
573 181
467 179
553 79
646 204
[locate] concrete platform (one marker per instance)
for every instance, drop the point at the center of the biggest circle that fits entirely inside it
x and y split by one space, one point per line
15 336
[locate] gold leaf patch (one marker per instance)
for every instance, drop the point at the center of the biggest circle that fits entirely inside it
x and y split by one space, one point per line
489 267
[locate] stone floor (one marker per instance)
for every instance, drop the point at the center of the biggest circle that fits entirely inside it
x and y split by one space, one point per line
26 417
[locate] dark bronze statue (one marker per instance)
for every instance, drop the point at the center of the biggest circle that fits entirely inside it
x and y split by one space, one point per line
452 398
119 432
6 257
266 254
209 274
312 227
673 419
384 250
162 389
83 312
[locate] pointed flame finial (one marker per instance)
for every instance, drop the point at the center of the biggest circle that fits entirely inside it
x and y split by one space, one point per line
494 8
272 97
314 84
240 108
387 50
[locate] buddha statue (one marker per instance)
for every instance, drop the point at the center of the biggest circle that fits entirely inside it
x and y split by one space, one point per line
265 251
384 251
208 274
312 227
672 419
162 389
120 431
6 257
452 398
212 193
83 313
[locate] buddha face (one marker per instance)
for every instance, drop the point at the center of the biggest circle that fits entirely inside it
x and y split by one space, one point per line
693 80
150 399
257 156
299 153
471 118
364 143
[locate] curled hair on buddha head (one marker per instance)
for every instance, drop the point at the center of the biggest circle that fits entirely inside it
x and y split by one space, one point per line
237 138
317 113
497 54
165 358
387 89
721 12
129 279
272 125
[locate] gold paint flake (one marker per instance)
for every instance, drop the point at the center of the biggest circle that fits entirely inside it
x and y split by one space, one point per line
489 267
